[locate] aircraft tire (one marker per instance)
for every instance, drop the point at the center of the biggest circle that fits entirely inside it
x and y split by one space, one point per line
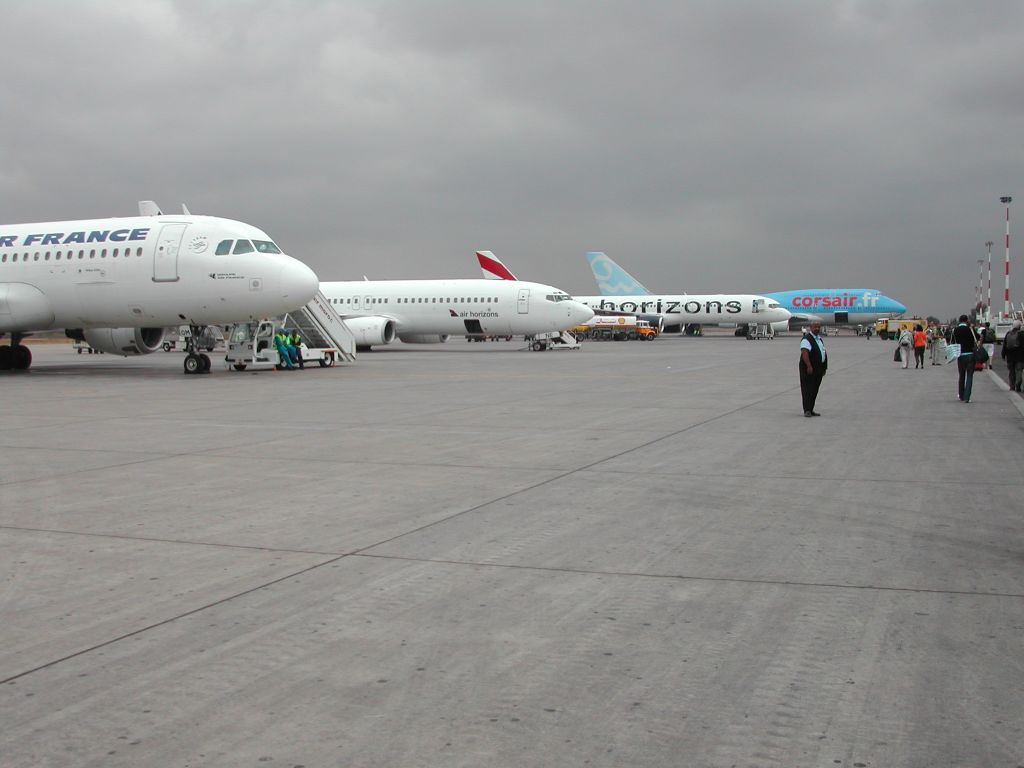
239 366
192 363
204 363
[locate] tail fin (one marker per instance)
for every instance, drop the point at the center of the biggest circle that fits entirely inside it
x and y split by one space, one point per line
613 280
492 267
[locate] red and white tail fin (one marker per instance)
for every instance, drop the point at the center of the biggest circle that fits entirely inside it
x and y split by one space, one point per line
492 267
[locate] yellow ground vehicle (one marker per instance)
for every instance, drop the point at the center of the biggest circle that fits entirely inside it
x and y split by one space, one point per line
891 327
617 328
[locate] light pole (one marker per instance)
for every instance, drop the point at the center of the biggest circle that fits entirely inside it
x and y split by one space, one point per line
1006 291
978 293
988 309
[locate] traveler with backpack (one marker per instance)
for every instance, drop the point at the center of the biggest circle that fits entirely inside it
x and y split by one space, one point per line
1013 354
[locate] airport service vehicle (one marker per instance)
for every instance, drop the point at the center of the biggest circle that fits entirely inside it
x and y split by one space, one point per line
891 327
617 328
118 283
329 340
431 311
177 337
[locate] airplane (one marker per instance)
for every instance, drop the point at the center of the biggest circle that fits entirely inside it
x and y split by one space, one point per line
430 311
118 283
673 312
829 306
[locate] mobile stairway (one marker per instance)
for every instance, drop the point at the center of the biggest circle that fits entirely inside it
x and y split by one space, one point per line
322 328
326 338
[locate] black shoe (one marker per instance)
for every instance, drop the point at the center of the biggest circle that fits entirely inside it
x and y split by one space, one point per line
808 413
815 413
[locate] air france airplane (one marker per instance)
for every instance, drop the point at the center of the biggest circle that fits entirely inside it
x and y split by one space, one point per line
674 311
430 311
829 306
118 283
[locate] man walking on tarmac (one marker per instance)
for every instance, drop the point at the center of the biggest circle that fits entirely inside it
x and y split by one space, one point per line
1013 354
963 335
813 364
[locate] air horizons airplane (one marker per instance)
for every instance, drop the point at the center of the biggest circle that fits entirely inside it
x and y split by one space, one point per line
829 306
672 312
118 283
430 311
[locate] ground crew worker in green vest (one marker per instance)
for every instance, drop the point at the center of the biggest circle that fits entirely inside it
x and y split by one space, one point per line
281 344
296 344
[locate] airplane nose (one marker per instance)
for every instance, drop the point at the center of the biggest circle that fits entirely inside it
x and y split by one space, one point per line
579 313
299 283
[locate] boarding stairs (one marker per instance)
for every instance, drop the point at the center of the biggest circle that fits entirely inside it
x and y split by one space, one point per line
321 327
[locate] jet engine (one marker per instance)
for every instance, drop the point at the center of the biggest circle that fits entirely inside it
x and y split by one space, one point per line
424 338
371 330
124 341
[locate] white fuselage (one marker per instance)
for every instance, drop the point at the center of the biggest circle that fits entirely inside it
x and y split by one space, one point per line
144 271
693 308
458 307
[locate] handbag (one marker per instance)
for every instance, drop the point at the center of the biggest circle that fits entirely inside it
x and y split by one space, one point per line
896 355
981 355
951 352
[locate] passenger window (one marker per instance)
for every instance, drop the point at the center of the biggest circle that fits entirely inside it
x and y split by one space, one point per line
223 247
243 246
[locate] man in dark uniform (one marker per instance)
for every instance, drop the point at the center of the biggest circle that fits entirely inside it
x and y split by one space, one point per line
813 364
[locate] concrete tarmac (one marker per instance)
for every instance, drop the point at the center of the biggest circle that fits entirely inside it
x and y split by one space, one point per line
635 554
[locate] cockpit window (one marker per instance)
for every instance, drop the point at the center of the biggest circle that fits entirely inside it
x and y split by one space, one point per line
224 247
265 246
558 297
243 246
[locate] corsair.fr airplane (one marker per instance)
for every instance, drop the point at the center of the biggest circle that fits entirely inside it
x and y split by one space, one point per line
674 312
118 283
829 306
430 311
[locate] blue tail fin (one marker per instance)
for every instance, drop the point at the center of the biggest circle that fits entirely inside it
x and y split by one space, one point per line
613 280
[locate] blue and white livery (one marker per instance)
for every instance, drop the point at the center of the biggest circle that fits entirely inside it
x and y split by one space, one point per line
829 306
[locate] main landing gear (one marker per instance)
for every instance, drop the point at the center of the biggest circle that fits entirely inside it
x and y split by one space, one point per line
15 356
195 361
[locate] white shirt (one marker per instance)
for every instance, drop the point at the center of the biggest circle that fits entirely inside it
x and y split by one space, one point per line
805 344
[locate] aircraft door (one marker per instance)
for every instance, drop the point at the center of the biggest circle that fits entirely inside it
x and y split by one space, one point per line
165 257
524 301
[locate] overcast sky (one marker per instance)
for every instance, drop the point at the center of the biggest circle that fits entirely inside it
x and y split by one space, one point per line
707 146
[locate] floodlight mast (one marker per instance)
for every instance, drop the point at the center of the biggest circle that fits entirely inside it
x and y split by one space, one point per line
1006 290
988 306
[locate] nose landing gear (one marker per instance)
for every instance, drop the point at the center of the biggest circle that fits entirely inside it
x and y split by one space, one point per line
195 361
